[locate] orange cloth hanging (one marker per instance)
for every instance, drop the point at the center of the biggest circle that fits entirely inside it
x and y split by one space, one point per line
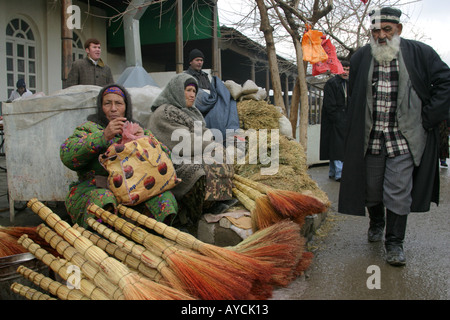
313 51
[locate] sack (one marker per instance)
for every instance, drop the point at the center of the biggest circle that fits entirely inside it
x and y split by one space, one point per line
138 170
313 51
332 64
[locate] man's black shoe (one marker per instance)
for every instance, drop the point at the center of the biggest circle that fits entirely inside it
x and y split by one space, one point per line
375 234
395 256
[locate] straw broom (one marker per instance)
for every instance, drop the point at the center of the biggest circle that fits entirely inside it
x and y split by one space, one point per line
29 293
207 278
289 204
52 286
88 268
254 268
122 255
250 205
263 214
133 286
86 286
141 253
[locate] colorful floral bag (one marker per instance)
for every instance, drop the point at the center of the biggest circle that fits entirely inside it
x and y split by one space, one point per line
138 170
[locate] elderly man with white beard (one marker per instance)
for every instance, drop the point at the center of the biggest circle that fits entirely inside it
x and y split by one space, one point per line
399 92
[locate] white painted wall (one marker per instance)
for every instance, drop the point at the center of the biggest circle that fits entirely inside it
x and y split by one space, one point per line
45 18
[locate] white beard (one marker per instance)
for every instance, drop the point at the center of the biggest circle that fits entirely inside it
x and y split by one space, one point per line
387 52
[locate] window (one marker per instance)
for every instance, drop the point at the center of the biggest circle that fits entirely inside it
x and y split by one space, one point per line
20 55
78 51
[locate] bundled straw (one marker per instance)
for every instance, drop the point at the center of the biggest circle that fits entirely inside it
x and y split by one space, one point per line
250 267
207 278
140 252
133 286
52 286
86 286
29 293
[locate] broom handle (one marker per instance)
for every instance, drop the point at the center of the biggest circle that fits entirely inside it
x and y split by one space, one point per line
52 286
140 252
183 238
86 286
253 184
249 191
245 200
152 242
114 250
29 293
87 267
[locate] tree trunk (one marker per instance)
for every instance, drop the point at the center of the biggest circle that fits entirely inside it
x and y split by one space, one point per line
304 103
295 102
267 29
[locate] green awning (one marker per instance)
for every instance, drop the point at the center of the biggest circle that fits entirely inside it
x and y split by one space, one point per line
158 24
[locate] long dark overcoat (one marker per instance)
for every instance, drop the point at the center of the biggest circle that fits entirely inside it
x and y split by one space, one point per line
430 78
333 120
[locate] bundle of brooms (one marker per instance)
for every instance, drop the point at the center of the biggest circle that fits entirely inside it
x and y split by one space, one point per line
279 247
203 276
105 271
176 267
268 205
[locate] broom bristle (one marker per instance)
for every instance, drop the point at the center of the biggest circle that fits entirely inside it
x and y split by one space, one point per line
304 263
264 214
208 279
138 288
295 205
280 244
10 235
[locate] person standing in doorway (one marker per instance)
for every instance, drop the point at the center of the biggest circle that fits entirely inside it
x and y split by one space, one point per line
91 70
399 92
334 122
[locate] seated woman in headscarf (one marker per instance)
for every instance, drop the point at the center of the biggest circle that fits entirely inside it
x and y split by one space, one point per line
80 152
204 184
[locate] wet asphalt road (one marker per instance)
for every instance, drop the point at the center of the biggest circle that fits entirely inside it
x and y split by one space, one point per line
347 266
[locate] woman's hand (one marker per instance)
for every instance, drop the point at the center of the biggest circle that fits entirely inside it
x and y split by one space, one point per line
114 127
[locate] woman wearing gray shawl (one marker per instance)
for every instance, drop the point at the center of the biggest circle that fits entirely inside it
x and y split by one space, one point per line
178 124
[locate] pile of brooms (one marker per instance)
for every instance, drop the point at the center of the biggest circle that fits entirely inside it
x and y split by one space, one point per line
148 260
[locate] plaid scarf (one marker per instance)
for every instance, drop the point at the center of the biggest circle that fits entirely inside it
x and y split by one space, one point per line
385 91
